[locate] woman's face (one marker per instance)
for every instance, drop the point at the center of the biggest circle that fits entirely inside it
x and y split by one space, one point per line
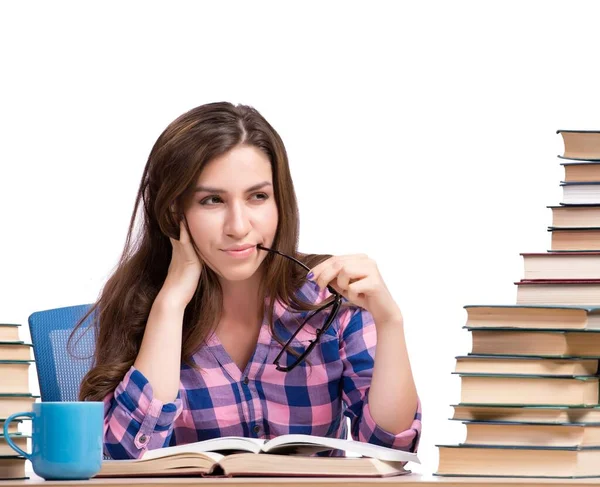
232 210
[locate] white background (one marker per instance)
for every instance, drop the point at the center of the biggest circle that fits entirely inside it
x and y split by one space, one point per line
422 133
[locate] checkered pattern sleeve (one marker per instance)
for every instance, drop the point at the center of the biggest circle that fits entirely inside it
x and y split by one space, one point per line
135 421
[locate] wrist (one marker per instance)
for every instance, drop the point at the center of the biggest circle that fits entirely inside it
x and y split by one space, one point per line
388 315
390 325
169 301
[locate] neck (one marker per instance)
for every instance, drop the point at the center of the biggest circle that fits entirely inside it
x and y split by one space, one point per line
241 301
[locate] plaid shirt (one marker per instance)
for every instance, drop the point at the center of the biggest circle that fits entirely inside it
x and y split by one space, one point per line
260 402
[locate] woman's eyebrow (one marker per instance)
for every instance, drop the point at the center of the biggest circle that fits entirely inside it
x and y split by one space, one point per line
209 189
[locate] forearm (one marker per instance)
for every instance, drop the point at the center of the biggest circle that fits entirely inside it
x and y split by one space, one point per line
159 358
393 395
133 421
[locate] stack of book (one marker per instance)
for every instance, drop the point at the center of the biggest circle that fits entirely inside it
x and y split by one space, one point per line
15 396
530 385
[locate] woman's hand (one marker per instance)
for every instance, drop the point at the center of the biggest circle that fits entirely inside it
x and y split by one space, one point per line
184 270
357 278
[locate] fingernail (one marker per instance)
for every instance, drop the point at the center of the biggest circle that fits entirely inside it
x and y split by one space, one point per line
310 276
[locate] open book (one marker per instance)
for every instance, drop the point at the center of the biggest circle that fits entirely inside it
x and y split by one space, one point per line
286 455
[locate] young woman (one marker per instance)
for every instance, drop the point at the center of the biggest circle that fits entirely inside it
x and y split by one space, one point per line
213 323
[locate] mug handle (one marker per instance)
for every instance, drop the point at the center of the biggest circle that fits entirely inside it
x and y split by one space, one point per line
8 439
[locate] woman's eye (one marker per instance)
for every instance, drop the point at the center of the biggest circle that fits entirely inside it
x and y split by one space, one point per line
215 200
211 200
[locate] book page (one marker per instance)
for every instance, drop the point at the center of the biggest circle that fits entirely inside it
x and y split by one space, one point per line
175 464
229 443
174 451
245 464
351 446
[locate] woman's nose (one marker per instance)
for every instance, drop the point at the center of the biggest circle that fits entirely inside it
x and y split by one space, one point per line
237 223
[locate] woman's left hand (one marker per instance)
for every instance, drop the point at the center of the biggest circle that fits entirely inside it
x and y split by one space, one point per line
357 278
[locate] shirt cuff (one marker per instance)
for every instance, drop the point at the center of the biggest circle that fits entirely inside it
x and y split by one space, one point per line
407 440
135 395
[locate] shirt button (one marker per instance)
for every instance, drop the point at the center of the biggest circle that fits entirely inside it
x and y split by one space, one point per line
246 380
256 429
143 439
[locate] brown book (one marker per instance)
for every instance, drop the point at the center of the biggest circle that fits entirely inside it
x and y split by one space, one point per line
581 145
561 265
12 467
554 291
581 171
534 389
15 351
9 332
525 413
575 215
285 455
575 239
537 343
532 434
533 316
504 364
15 376
510 461
13 427
14 403
18 439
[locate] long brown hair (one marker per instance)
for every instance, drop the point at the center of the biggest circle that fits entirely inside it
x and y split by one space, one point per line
174 165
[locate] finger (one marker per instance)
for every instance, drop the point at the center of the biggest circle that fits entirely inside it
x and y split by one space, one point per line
185 244
184 236
316 270
334 261
327 274
351 272
365 286
344 269
357 291
351 257
343 279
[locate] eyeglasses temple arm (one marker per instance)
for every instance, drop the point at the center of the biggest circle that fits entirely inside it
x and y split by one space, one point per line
331 290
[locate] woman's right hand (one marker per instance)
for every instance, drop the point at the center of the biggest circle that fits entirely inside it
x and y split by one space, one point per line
184 270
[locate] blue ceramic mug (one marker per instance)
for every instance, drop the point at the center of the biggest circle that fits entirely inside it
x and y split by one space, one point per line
66 439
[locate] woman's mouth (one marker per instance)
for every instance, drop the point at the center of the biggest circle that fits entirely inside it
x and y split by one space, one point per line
241 252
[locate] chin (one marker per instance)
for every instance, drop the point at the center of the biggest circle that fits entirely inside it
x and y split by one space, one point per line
239 273
237 276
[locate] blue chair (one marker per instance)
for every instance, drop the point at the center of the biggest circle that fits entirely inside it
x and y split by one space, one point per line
59 372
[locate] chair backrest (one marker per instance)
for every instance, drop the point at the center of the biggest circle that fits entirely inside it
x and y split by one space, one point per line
59 370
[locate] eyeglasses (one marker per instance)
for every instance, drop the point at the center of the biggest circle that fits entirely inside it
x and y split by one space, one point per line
322 311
